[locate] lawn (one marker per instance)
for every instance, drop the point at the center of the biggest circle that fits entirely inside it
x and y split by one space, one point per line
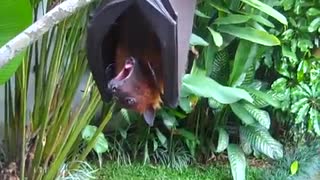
114 171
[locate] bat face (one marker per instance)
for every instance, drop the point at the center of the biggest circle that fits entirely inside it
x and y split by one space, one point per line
135 88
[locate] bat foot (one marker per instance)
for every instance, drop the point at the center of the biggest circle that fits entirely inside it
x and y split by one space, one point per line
149 116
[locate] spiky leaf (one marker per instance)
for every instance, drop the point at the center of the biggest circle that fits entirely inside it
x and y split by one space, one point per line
237 162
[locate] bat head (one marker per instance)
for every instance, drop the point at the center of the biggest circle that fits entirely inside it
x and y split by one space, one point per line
134 89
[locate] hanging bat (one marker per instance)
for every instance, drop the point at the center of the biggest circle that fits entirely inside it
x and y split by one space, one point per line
137 51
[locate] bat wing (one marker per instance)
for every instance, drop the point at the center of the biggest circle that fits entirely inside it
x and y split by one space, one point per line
98 58
162 18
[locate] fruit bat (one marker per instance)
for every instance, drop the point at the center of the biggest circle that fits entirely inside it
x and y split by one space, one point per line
137 51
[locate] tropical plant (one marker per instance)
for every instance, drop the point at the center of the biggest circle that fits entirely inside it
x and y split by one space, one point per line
298 85
46 108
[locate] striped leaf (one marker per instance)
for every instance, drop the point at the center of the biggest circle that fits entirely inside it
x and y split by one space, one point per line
260 115
261 141
237 162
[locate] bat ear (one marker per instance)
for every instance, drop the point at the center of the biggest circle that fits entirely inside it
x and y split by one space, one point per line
149 116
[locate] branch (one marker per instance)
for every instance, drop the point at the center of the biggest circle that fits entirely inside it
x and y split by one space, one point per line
37 29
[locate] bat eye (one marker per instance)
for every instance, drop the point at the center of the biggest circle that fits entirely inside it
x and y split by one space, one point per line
130 101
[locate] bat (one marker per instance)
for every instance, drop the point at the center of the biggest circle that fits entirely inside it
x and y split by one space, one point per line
137 51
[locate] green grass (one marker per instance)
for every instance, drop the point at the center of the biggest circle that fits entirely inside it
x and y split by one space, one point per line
114 171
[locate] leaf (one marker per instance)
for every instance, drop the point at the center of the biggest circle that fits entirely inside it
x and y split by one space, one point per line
237 162
295 107
223 140
260 115
15 17
315 118
196 40
232 19
201 14
267 9
161 137
302 113
261 141
206 87
217 38
259 96
239 110
313 12
294 167
188 135
262 20
101 145
314 25
250 34
219 6
245 56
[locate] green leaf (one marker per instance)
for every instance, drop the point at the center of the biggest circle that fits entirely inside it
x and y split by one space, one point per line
302 113
262 20
244 58
161 137
260 115
206 87
196 40
313 12
237 162
201 14
223 140
314 25
232 19
219 6
250 34
295 107
15 17
262 96
261 141
294 167
101 145
239 110
188 135
267 9
315 119
217 38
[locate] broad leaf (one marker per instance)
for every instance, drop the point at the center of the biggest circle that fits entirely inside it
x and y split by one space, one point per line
161 137
245 56
261 141
260 115
294 167
201 14
267 9
206 87
101 145
15 17
314 25
239 110
262 20
262 96
196 40
237 162
250 34
232 19
223 140
217 38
